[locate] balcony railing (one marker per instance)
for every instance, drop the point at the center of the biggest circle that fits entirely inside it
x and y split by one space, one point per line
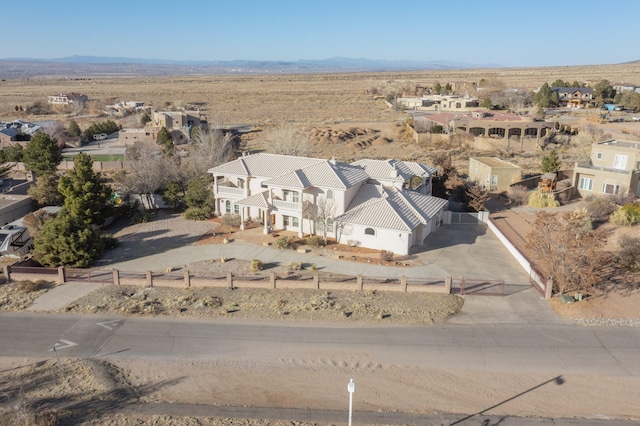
604 169
287 205
231 190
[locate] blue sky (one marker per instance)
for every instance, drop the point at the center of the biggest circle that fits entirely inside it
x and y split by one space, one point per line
510 33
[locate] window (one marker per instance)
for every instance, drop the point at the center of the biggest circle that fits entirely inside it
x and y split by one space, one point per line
611 189
236 209
291 221
599 156
329 194
369 231
620 162
494 179
586 184
292 196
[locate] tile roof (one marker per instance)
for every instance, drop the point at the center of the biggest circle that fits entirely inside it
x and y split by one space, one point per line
260 200
264 165
388 208
394 169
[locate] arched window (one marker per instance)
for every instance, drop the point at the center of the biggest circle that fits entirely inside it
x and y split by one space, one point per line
228 206
369 231
329 194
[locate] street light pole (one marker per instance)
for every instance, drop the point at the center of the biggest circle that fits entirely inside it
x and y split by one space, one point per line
351 387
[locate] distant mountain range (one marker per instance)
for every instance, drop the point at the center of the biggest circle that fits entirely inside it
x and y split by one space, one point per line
100 65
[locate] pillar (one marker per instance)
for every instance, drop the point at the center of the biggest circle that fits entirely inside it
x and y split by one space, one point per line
62 277
229 281
149 279
359 285
447 285
187 278
115 276
403 283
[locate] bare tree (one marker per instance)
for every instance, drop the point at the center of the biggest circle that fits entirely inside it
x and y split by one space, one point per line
478 197
568 249
325 211
149 171
287 140
208 148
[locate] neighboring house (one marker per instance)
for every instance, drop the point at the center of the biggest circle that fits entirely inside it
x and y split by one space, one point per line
374 203
614 168
7 136
440 103
575 97
493 173
178 123
125 107
17 131
68 99
486 124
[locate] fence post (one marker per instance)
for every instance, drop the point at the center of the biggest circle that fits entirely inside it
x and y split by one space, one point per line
7 273
187 278
447 285
316 280
149 279
548 289
230 280
115 274
359 282
403 283
62 277
272 279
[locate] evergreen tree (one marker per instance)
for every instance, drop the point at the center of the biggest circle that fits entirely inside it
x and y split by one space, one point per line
551 163
74 129
144 119
42 154
45 191
164 139
86 195
68 240
603 92
172 194
198 193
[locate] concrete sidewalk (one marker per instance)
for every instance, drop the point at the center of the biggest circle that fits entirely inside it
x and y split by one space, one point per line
61 295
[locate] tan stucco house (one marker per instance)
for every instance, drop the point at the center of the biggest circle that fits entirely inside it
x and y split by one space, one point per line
614 168
493 173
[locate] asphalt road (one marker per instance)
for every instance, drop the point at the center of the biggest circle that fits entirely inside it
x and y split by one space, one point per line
492 347
508 347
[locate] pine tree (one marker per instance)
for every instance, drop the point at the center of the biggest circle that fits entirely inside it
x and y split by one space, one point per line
86 195
74 129
42 154
68 240
551 163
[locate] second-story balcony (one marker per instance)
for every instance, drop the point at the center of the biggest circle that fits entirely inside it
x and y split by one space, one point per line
229 188
589 165
287 205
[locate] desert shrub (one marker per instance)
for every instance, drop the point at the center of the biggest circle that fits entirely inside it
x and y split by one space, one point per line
31 286
600 208
313 241
386 255
139 216
628 256
542 199
283 242
197 213
295 266
627 215
518 195
256 265
232 220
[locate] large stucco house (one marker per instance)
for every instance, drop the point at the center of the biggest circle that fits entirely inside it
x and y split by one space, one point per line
380 204
614 168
